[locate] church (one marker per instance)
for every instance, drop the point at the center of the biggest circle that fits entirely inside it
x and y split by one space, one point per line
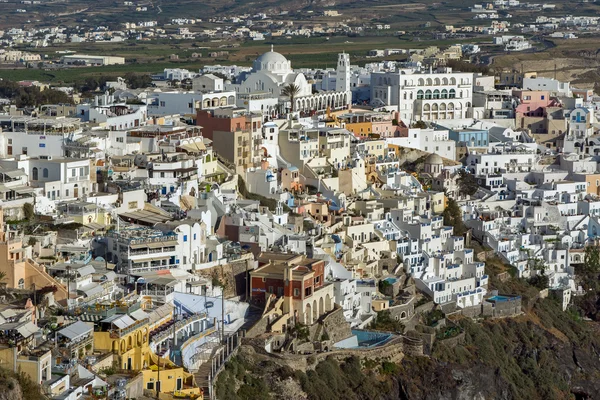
271 72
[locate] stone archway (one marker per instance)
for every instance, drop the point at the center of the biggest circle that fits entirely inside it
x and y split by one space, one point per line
321 306
328 305
307 314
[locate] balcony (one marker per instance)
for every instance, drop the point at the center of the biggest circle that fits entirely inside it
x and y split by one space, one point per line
134 270
77 179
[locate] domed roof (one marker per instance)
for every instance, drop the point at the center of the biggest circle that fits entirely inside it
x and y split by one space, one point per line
271 57
434 159
273 62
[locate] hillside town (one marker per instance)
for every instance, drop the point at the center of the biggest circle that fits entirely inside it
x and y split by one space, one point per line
147 233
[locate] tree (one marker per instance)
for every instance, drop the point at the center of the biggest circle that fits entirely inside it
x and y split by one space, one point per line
467 182
28 211
291 91
453 217
591 259
136 81
419 124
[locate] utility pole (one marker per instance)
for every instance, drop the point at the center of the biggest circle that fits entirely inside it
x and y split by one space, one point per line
158 378
222 313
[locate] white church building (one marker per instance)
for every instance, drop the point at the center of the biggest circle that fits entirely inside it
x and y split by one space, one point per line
271 72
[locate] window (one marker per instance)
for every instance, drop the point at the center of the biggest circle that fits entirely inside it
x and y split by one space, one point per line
9 141
34 173
162 103
296 292
194 236
73 172
24 150
185 238
67 192
150 386
45 172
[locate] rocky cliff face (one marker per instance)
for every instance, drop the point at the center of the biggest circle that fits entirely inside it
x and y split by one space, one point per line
545 354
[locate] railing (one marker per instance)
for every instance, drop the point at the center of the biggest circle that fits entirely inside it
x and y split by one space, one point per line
118 333
133 270
157 293
229 348
178 325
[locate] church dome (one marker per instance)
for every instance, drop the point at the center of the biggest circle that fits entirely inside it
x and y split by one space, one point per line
434 159
273 62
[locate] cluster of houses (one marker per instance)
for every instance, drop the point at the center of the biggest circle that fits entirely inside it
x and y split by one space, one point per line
159 220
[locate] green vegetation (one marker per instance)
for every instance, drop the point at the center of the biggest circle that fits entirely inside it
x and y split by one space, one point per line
27 96
467 183
330 380
453 217
291 91
384 322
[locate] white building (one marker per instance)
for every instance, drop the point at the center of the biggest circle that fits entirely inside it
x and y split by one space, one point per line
424 96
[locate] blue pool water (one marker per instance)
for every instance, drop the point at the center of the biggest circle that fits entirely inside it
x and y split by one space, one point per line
391 281
500 298
371 339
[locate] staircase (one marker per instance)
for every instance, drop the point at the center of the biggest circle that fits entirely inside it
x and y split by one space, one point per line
42 279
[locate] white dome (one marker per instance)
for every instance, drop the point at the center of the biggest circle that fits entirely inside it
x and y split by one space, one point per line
273 62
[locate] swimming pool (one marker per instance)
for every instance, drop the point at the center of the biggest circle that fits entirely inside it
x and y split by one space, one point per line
502 298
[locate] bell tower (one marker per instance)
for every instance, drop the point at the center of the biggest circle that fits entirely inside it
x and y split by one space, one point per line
342 81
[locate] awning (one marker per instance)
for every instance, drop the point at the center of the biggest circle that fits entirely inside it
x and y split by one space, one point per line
123 322
156 245
28 329
139 315
91 290
86 270
23 189
14 174
193 147
139 246
76 330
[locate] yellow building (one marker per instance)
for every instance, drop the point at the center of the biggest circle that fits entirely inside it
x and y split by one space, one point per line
168 378
125 337
18 354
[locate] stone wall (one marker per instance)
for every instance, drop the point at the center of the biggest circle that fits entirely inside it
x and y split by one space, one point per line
403 312
453 341
507 308
423 308
258 328
233 275
335 325
412 346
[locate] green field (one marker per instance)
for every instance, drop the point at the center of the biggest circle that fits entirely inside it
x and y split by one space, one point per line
153 57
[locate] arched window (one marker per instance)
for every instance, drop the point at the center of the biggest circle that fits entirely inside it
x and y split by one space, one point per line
45 173
444 93
428 94
436 81
34 173
21 283
436 94
419 96
429 82
421 82
453 81
452 93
